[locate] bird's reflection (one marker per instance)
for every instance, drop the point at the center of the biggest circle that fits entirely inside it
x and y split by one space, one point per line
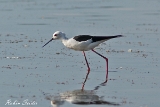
102 84
80 97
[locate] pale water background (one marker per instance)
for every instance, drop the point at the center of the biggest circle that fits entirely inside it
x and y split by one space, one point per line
27 70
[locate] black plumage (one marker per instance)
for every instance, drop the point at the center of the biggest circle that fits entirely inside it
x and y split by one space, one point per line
94 38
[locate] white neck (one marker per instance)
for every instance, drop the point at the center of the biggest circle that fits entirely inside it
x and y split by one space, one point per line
64 40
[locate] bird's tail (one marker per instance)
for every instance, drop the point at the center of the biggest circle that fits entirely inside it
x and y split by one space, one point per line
119 36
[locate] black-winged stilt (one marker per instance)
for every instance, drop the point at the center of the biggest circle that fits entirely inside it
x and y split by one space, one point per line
83 43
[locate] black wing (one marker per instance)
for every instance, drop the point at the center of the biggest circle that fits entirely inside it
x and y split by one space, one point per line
94 38
99 38
80 38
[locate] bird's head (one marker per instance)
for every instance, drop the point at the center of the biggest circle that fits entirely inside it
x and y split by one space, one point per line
56 36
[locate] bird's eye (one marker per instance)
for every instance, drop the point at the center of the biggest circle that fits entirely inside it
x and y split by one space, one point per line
55 35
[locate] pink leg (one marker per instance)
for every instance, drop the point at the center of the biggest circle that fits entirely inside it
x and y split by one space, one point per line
86 61
87 72
106 64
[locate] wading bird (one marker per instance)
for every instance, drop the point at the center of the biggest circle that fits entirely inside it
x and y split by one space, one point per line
83 43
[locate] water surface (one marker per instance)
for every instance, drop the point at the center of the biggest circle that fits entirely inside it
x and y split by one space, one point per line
31 72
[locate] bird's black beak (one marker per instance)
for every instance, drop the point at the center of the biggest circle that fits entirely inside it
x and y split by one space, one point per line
47 42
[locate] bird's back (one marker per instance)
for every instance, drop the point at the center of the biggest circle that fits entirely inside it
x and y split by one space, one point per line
80 38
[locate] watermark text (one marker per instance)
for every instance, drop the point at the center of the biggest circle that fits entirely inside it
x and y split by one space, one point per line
24 102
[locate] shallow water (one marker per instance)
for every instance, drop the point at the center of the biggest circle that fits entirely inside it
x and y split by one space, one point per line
31 72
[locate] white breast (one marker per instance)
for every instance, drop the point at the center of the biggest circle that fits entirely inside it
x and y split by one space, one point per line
80 46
